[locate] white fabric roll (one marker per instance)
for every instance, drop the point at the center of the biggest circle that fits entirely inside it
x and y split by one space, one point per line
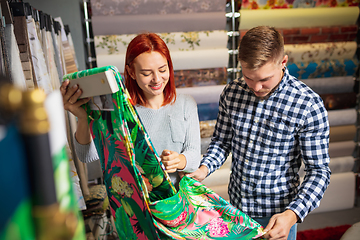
340 193
206 94
196 59
16 70
342 117
289 18
134 24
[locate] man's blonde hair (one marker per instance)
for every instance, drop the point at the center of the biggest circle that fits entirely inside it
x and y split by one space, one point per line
259 46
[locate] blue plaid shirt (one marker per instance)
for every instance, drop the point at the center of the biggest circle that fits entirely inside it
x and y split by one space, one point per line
269 139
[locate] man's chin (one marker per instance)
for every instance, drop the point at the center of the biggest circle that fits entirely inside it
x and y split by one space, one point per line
262 96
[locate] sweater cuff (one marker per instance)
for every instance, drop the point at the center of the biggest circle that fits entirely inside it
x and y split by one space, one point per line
86 152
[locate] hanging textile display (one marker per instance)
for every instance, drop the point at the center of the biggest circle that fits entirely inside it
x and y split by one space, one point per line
142 198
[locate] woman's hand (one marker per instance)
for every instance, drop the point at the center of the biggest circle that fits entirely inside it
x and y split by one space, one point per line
70 99
172 161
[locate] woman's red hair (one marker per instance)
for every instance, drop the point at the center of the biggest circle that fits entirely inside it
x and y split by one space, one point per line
148 42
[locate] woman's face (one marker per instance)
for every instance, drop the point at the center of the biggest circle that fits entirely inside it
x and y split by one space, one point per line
151 72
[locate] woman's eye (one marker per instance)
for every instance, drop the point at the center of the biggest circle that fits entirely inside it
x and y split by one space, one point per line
146 74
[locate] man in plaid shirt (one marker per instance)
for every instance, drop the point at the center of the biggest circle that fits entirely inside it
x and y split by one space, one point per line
271 122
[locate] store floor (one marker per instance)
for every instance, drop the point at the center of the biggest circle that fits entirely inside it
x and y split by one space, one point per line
330 219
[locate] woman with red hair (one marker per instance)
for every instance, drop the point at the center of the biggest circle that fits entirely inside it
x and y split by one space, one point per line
171 120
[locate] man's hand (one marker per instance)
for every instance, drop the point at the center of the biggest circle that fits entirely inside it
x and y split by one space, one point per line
280 224
200 174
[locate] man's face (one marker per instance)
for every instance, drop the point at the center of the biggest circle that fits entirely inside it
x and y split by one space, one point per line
265 80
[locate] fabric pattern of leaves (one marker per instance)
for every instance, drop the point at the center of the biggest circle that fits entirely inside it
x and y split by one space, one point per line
140 192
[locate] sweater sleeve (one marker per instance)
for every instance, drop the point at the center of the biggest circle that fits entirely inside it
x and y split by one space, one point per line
192 143
86 152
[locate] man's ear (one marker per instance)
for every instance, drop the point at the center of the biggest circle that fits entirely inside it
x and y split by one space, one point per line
130 71
284 61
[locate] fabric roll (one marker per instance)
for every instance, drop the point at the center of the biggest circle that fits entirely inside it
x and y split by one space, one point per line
342 117
38 59
323 68
141 7
340 193
331 84
259 4
299 17
338 101
176 41
342 133
202 95
196 59
341 149
200 77
16 70
135 24
320 51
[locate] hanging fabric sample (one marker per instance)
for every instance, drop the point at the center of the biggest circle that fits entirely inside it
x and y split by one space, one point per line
142 198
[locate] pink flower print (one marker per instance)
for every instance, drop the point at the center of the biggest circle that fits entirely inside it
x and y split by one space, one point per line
217 228
176 222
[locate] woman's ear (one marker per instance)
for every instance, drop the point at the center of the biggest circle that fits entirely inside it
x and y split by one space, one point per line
130 71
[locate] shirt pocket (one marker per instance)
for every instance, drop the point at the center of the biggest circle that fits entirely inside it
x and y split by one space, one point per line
177 129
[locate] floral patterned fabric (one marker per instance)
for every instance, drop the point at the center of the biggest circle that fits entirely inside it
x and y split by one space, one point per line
142 199
131 7
274 4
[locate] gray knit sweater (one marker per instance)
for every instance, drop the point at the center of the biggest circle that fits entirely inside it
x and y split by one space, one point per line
174 127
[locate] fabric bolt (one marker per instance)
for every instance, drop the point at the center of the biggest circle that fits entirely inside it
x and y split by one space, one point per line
66 197
147 7
331 85
259 4
5 63
338 101
143 201
57 55
320 51
342 117
266 154
16 71
323 68
200 77
203 58
175 41
38 59
134 24
289 18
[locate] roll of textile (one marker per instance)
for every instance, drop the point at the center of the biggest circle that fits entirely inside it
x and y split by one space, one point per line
16 71
341 149
342 133
208 94
299 17
196 59
340 193
331 85
320 51
200 77
342 117
148 7
259 4
134 24
323 68
176 41
338 101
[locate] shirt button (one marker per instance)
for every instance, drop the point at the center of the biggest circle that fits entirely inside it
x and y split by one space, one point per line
246 160
251 141
243 178
256 120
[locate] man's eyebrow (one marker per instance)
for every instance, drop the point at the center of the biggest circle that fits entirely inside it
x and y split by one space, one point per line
264 79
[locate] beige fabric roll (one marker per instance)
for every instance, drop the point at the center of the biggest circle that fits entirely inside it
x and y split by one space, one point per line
289 18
